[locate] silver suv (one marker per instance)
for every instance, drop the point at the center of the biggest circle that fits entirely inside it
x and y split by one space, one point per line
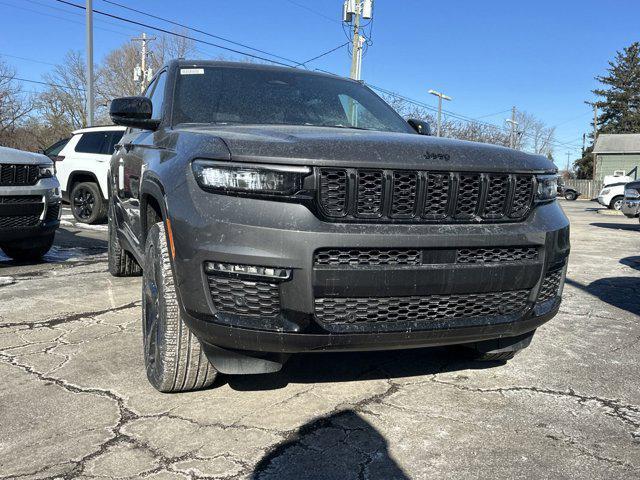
29 204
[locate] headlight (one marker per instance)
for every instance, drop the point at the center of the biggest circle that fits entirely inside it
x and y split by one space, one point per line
260 179
631 193
547 188
46 171
605 191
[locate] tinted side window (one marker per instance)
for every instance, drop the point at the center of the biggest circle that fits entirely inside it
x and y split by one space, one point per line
157 96
56 148
110 144
91 142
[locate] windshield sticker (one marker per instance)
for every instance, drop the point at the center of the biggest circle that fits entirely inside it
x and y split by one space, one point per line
192 71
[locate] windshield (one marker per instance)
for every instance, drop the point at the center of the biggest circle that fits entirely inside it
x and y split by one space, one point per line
237 95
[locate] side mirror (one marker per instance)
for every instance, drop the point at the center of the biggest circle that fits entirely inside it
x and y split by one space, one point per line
420 126
133 112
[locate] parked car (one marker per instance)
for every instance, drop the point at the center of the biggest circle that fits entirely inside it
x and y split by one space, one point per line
568 193
631 203
29 204
275 211
82 165
53 151
612 193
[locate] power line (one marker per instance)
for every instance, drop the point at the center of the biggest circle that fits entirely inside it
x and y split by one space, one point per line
315 12
43 83
181 25
26 59
323 54
175 34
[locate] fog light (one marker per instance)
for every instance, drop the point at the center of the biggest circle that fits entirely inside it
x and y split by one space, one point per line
250 270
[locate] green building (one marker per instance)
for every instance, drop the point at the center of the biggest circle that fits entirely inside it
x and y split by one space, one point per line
617 154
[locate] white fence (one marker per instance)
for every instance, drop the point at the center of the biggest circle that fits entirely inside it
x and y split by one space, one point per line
588 188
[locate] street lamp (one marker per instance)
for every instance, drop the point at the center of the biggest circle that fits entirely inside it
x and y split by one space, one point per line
440 97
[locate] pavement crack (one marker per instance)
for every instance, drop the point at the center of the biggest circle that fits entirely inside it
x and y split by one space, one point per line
70 317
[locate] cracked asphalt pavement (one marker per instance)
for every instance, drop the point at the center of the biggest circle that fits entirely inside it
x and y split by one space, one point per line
75 402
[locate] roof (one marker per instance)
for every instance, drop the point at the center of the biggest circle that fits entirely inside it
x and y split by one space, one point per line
103 128
181 63
618 143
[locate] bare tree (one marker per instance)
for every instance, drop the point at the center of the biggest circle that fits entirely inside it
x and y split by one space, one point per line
14 105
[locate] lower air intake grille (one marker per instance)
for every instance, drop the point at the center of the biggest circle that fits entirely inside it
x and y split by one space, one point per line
496 255
550 286
244 297
363 257
53 212
19 221
22 199
390 312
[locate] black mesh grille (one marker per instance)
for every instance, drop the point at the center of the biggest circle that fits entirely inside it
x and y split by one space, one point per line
468 196
522 196
15 174
496 255
370 192
438 185
53 211
389 311
496 196
423 197
243 297
363 257
333 191
405 185
21 199
19 221
550 286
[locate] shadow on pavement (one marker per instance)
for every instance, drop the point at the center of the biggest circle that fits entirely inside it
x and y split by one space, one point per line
337 367
341 445
634 227
633 262
621 292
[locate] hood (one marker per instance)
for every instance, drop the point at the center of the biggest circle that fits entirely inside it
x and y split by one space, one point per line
320 146
11 155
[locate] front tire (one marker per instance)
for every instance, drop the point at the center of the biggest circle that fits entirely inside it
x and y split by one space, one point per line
616 203
174 358
87 204
27 251
570 196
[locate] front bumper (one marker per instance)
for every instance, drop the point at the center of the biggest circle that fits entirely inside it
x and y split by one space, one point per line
235 230
631 207
29 212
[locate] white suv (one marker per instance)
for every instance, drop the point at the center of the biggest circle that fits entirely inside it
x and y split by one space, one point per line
82 165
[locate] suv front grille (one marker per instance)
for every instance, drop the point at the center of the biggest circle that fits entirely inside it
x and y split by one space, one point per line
550 286
496 255
19 221
399 312
423 197
362 257
16 174
244 297
369 256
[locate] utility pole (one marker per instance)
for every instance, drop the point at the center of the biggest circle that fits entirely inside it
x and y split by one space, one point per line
141 73
568 156
514 124
584 139
89 47
352 12
440 97
595 137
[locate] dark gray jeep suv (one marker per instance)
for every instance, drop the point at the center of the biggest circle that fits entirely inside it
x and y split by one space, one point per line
275 211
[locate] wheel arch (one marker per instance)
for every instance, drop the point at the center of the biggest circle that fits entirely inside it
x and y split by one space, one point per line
153 205
79 176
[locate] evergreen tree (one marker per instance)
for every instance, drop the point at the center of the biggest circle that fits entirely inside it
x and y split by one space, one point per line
619 105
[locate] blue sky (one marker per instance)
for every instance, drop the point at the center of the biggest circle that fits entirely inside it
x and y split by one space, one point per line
539 56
